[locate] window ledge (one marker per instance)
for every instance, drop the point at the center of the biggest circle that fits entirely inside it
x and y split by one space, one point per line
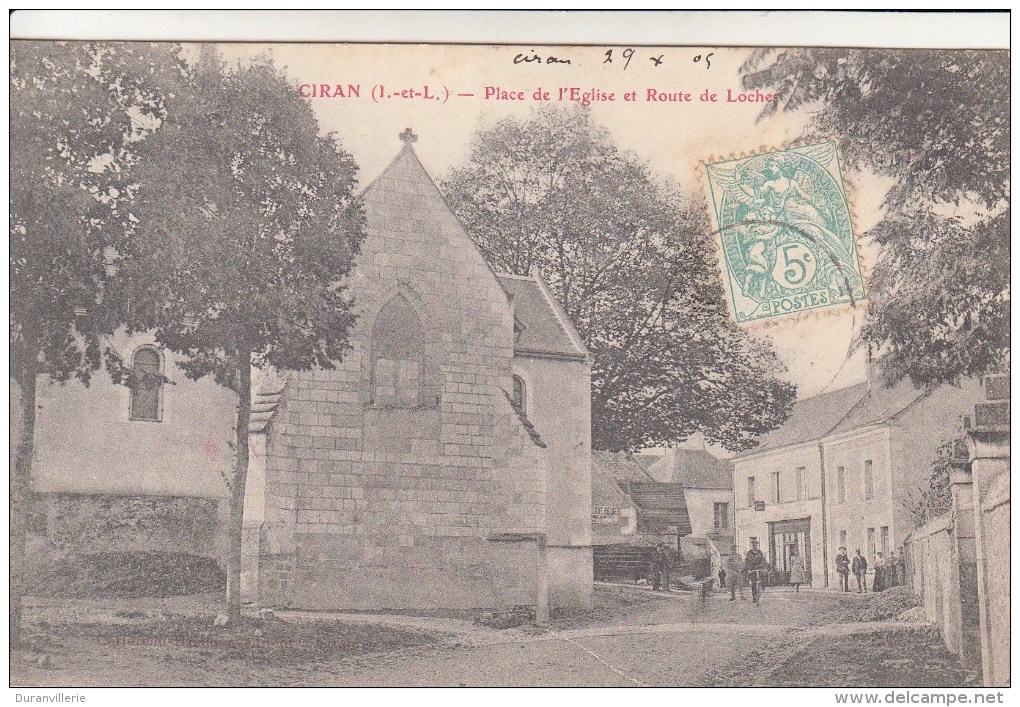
375 406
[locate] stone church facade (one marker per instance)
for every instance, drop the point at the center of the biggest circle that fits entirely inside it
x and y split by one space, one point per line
444 463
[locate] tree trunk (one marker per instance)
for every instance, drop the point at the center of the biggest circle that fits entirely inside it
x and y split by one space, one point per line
238 487
20 494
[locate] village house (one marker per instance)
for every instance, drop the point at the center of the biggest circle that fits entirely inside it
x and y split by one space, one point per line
707 482
444 463
843 471
633 510
613 512
629 505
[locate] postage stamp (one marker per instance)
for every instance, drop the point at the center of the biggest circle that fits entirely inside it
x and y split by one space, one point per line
787 236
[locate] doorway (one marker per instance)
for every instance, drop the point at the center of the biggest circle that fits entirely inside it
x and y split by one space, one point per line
787 537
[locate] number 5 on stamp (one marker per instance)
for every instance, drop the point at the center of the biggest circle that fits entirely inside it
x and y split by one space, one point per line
787 237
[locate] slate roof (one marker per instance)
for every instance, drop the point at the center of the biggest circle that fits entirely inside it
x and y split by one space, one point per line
546 329
647 460
840 411
695 469
605 491
618 479
812 418
620 466
660 503
879 404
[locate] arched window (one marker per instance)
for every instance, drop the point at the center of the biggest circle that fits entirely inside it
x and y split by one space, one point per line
146 384
398 353
520 395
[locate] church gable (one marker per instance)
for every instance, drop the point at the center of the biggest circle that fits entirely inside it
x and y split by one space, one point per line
413 235
392 473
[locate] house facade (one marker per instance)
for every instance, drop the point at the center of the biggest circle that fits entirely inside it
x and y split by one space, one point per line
707 482
443 463
772 510
613 511
842 472
880 456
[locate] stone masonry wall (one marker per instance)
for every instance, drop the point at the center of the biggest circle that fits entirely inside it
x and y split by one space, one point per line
68 525
559 405
383 506
936 576
988 434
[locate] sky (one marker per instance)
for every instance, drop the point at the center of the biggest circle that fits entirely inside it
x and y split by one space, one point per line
672 137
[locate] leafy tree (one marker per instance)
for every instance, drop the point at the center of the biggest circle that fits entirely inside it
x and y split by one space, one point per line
77 110
631 261
937 498
247 225
937 122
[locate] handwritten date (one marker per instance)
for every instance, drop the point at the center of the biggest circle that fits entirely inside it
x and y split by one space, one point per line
627 54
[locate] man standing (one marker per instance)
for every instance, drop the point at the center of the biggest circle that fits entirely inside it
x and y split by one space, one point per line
892 578
860 570
735 573
755 566
656 568
843 569
660 568
665 562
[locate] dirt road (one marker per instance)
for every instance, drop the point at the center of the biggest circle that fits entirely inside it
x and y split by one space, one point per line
633 638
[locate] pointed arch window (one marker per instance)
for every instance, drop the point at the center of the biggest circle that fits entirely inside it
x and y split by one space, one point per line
398 353
146 385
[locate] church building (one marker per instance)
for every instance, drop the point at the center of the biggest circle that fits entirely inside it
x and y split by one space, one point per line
445 462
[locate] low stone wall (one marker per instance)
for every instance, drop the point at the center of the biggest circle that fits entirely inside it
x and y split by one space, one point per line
995 522
959 564
71 525
935 574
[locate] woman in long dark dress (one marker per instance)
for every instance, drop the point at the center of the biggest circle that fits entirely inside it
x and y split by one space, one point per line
879 583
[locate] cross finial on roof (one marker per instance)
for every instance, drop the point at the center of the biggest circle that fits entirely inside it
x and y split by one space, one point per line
408 136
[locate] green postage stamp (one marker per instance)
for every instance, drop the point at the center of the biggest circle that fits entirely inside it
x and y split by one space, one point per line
788 244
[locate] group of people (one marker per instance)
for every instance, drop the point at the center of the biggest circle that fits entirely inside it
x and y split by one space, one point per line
889 571
752 567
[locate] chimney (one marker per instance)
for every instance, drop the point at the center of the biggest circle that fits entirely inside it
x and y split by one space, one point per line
996 386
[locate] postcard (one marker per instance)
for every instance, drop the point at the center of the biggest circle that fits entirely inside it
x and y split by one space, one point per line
494 363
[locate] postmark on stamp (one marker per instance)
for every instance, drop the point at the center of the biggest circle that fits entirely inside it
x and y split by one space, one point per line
788 244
